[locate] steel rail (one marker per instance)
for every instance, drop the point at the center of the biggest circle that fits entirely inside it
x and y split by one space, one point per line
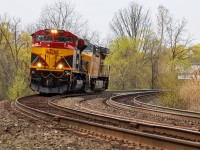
123 134
162 108
176 114
127 123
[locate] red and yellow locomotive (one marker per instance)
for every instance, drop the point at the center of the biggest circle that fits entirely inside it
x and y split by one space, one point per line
61 62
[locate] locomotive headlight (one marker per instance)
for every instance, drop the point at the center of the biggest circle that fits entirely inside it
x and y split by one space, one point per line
54 31
39 65
60 66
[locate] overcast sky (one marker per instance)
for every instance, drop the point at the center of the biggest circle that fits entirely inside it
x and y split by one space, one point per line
100 12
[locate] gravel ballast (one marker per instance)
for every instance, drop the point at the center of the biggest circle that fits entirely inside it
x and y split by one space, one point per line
20 132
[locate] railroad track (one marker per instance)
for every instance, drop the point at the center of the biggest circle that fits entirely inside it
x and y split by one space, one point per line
111 127
191 114
178 114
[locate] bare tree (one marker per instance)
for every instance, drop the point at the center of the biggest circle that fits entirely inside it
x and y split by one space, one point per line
62 15
162 20
132 21
152 58
13 45
12 34
171 33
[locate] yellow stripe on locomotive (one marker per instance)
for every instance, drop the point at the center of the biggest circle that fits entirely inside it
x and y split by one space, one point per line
52 59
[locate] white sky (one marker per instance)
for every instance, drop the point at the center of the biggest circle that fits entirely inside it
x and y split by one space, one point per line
100 12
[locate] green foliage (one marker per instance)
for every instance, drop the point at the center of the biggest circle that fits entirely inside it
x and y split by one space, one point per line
171 68
19 87
20 80
126 65
132 68
15 47
195 53
168 79
172 99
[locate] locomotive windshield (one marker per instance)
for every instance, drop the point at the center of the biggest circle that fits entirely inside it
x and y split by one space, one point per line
67 39
43 37
89 48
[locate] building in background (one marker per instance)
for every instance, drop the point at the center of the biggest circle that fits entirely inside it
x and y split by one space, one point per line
191 73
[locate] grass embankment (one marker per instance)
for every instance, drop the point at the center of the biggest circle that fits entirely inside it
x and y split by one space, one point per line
186 96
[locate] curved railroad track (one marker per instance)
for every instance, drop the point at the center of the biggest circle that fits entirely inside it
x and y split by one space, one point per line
111 127
178 114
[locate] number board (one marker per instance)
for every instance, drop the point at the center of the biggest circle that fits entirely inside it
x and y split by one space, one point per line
52 51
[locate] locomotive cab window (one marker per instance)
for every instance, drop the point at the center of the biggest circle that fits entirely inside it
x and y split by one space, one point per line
89 48
66 39
43 37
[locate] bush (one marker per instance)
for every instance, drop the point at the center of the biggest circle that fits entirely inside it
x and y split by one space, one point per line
19 87
189 93
171 99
